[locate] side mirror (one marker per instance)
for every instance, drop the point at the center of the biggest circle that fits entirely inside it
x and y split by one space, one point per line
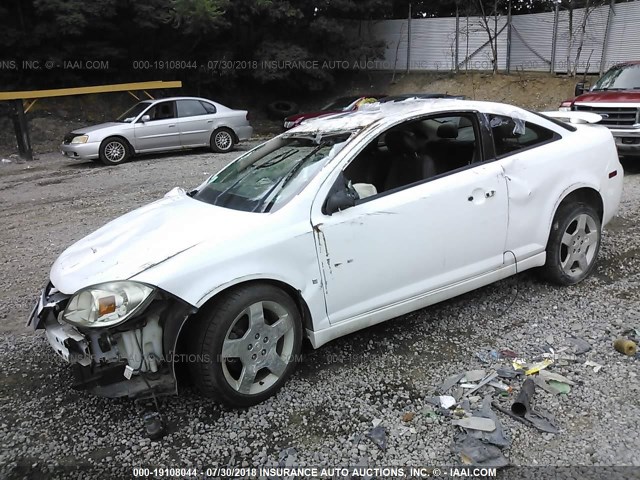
145 118
341 196
579 90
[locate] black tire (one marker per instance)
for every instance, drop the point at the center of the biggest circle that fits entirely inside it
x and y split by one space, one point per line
222 140
114 151
571 258
281 109
227 349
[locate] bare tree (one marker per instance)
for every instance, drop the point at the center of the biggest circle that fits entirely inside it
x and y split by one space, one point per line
485 23
581 31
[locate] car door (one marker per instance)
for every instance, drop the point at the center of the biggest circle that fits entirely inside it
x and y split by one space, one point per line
160 131
398 245
535 164
195 122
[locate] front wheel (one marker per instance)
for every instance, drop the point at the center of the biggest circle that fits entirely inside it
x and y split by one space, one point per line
222 140
246 345
573 244
114 151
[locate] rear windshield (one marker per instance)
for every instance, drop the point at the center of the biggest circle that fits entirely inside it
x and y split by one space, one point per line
269 176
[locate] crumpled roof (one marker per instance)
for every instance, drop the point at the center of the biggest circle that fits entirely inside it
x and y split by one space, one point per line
372 113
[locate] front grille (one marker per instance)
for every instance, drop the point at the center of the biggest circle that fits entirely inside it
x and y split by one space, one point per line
613 116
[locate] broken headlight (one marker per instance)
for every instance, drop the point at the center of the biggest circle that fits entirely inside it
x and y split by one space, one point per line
106 304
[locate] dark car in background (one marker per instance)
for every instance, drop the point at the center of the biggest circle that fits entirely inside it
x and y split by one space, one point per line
340 105
419 96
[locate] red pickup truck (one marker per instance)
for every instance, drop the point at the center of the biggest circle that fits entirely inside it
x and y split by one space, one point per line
615 97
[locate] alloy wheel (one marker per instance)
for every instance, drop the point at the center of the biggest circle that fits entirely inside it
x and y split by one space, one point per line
257 347
579 245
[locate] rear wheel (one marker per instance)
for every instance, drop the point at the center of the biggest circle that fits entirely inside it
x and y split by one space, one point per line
114 151
246 345
573 244
222 140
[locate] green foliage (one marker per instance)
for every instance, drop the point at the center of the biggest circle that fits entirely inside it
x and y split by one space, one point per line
198 17
203 31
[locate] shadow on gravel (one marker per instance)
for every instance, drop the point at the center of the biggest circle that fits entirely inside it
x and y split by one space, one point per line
173 155
631 165
89 164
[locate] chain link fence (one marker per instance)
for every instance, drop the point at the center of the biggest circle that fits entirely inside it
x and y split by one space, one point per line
560 41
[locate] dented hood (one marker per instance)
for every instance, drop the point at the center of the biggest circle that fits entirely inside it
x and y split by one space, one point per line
147 237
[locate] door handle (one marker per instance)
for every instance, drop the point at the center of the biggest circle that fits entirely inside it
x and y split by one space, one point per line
487 194
171 126
209 121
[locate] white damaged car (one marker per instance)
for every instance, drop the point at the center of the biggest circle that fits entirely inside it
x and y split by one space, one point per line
340 223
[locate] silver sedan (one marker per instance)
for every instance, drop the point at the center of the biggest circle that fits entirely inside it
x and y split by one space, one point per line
159 126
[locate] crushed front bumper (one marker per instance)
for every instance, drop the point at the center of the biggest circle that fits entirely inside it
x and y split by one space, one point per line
111 362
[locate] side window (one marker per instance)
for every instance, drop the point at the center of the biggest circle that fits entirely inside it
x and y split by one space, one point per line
210 108
510 136
162 111
190 108
413 152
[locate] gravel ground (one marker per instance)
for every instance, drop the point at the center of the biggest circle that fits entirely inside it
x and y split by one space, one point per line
340 391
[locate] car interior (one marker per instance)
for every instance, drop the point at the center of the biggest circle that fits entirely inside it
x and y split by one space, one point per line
509 137
413 152
162 111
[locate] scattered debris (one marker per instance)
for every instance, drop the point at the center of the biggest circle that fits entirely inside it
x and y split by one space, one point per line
476 423
626 346
474 376
485 381
407 417
580 346
450 382
559 386
445 412
542 383
503 387
481 436
153 425
497 437
547 375
506 353
521 405
508 372
469 385
287 457
378 435
444 401
632 334
596 366
477 453
519 364
540 420
428 412
536 367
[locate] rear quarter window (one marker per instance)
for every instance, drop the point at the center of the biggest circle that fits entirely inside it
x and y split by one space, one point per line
509 137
